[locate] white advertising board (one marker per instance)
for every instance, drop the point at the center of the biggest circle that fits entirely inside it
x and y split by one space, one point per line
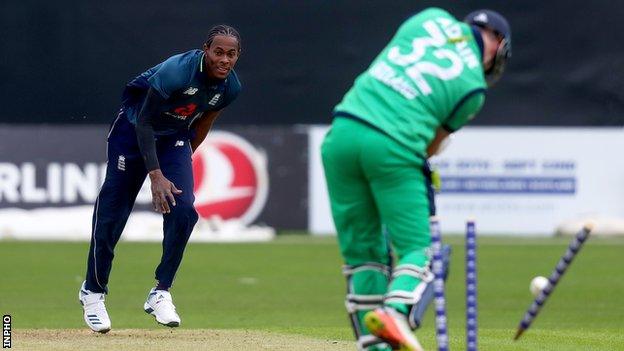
319 213
516 181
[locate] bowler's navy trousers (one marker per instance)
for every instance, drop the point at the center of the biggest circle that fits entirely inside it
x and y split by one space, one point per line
125 173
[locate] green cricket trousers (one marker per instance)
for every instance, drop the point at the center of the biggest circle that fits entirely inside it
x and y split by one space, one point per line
379 198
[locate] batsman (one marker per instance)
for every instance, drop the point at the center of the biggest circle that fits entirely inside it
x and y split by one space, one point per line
428 82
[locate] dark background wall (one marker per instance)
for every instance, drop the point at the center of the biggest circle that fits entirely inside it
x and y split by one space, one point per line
67 61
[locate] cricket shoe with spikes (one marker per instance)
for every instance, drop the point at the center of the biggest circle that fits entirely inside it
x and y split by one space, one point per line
95 314
392 327
160 304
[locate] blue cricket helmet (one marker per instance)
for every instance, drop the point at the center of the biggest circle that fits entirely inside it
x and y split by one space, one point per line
496 22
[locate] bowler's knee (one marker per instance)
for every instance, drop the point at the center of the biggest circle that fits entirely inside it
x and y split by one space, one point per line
184 213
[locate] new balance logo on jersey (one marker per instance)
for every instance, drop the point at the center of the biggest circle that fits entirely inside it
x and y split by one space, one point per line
190 91
179 143
121 163
214 100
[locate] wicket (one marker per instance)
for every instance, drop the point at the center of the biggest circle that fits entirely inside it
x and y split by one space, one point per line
471 286
563 264
438 285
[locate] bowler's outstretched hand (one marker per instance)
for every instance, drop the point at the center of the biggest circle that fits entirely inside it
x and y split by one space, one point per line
162 192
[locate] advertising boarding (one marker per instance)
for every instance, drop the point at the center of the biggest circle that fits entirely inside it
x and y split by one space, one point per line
517 181
249 174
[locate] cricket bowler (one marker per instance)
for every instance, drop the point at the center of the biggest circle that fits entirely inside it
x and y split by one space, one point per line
166 113
428 82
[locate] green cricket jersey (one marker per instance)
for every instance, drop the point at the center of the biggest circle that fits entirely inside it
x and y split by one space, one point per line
430 75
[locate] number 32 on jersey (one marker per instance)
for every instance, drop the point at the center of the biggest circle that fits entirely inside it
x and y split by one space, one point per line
444 62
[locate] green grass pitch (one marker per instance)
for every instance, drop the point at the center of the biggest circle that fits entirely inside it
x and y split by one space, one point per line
293 285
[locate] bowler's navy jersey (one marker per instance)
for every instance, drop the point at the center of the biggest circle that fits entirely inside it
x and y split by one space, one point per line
188 93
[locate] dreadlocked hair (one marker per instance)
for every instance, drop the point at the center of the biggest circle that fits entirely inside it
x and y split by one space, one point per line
225 30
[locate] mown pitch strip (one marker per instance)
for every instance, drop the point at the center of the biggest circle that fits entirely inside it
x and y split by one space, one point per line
143 339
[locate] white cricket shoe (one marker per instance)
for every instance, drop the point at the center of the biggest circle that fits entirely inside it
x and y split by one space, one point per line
95 314
160 305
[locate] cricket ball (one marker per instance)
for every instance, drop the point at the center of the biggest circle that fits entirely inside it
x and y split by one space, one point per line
537 285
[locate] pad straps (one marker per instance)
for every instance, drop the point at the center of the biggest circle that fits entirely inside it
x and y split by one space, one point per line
355 303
